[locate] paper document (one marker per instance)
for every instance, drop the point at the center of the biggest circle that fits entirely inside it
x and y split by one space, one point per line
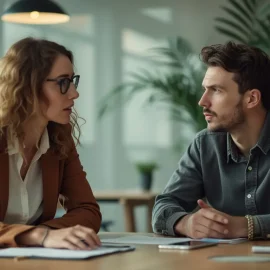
261 249
51 253
224 241
147 240
154 240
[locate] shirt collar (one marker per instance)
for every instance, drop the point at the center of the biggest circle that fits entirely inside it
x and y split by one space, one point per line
232 152
264 140
263 143
13 148
44 142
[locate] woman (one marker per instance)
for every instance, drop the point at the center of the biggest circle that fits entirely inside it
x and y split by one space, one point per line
38 159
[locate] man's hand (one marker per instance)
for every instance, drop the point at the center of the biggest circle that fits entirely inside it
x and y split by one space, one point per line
76 238
211 223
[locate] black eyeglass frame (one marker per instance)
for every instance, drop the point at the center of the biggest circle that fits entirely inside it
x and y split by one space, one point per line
60 82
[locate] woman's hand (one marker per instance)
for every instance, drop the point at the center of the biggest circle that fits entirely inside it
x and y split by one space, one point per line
77 238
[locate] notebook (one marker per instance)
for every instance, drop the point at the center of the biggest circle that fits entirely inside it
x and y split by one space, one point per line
60 254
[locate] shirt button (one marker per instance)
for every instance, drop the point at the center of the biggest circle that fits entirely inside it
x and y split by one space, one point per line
249 168
249 196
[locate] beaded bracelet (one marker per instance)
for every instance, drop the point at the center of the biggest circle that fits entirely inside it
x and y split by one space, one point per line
250 227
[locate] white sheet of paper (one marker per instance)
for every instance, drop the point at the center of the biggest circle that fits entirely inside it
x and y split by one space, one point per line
52 253
261 249
154 240
147 240
224 241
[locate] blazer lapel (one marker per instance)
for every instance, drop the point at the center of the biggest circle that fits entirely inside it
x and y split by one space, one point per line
4 184
50 178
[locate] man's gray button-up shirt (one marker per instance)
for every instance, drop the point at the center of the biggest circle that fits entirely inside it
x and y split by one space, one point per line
213 167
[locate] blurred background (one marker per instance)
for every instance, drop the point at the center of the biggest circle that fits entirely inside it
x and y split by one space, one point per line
140 80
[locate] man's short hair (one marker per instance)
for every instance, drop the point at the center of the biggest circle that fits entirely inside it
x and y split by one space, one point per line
250 65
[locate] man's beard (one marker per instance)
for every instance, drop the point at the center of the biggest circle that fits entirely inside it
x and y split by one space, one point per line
227 125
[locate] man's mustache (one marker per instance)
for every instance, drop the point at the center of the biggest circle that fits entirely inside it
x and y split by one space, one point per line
208 111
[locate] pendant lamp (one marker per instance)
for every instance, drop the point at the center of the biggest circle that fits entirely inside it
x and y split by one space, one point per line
35 12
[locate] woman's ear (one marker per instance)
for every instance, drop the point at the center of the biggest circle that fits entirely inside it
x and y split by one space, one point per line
253 98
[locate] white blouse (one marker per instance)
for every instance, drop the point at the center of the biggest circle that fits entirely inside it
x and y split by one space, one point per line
25 203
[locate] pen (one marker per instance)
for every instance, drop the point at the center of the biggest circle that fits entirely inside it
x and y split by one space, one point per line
110 245
210 240
114 246
20 258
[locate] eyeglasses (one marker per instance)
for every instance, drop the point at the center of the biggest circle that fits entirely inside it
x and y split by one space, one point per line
64 83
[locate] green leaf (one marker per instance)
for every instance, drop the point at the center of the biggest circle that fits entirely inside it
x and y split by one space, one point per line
231 34
234 25
262 40
146 167
242 10
265 29
250 5
253 2
165 52
263 11
238 17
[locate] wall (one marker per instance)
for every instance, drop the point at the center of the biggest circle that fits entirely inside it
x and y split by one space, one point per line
110 39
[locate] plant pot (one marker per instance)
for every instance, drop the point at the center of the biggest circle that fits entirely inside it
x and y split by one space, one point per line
146 180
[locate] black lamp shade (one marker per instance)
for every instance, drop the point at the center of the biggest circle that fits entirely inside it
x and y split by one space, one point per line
35 12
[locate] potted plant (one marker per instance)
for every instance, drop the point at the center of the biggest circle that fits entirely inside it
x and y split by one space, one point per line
146 174
247 22
179 87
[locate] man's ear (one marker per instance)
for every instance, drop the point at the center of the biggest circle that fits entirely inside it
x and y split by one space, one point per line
253 98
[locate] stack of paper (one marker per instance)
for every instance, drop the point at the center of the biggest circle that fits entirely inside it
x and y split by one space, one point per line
147 240
154 240
51 253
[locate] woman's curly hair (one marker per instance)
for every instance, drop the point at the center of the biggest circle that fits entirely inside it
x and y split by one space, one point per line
23 70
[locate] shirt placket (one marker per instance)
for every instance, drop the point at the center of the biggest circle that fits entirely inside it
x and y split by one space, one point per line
251 186
25 202
24 194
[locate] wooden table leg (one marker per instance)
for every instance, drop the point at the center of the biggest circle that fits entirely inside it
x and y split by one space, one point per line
150 206
129 215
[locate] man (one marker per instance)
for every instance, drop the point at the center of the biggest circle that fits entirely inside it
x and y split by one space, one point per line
229 162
